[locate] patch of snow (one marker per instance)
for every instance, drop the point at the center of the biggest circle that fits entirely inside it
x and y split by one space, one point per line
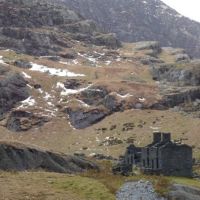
40 91
179 15
89 58
53 71
47 96
92 154
142 99
118 59
29 86
108 62
154 128
7 50
64 63
101 54
83 103
26 75
1 61
50 104
75 62
28 102
66 91
123 96
98 140
164 7
71 124
48 56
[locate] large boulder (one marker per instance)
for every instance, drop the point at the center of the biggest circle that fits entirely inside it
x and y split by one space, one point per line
181 192
13 89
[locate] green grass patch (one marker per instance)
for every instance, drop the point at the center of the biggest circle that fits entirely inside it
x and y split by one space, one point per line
185 181
86 188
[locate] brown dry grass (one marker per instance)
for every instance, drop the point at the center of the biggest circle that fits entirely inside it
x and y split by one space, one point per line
59 135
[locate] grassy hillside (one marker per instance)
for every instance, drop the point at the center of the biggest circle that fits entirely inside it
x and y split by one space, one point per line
90 186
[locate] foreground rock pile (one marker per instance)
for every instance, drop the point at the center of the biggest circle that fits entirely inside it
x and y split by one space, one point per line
143 190
137 191
19 157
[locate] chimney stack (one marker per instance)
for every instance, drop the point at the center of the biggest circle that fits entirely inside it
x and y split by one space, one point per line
156 137
166 137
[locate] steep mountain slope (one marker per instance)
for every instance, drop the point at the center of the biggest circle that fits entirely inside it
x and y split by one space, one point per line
137 20
41 28
86 98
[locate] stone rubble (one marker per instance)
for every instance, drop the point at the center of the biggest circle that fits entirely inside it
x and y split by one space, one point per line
141 190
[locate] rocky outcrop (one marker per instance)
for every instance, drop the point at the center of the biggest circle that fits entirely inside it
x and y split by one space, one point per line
111 141
32 42
26 26
184 75
183 193
73 83
108 40
20 120
13 89
182 58
18 157
98 101
149 60
153 48
94 95
178 98
22 64
80 118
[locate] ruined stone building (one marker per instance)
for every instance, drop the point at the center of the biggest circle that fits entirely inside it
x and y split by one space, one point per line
162 156
132 155
166 157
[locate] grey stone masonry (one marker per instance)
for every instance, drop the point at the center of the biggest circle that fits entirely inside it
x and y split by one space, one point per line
167 158
162 156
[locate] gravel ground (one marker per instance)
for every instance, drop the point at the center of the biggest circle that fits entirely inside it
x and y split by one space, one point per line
141 190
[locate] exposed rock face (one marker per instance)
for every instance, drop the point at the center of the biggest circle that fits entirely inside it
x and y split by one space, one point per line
186 75
153 47
184 193
181 97
73 83
22 121
22 64
12 90
141 20
81 119
100 101
20 158
26 26
94 95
